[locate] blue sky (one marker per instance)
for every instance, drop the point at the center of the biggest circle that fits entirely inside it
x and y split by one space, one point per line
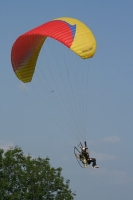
26 121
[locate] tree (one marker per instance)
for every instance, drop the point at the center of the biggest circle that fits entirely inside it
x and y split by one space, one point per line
23 177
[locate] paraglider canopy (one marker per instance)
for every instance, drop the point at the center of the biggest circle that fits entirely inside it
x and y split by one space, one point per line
71 32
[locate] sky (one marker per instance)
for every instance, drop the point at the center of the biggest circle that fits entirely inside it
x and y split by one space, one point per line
35 126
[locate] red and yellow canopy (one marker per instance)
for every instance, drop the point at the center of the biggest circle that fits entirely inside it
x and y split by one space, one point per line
71 32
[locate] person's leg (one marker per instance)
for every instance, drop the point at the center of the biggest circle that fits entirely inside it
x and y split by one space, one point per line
93 160
89 161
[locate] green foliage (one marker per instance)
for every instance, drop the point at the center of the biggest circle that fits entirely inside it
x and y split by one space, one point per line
22 177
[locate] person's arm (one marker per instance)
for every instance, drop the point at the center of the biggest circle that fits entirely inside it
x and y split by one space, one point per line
86 148
85 144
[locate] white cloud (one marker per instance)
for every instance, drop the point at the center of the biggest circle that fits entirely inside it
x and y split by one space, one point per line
100 156
6 145
111 139
117 177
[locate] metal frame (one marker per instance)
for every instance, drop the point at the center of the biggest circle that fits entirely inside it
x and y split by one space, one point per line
81 160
